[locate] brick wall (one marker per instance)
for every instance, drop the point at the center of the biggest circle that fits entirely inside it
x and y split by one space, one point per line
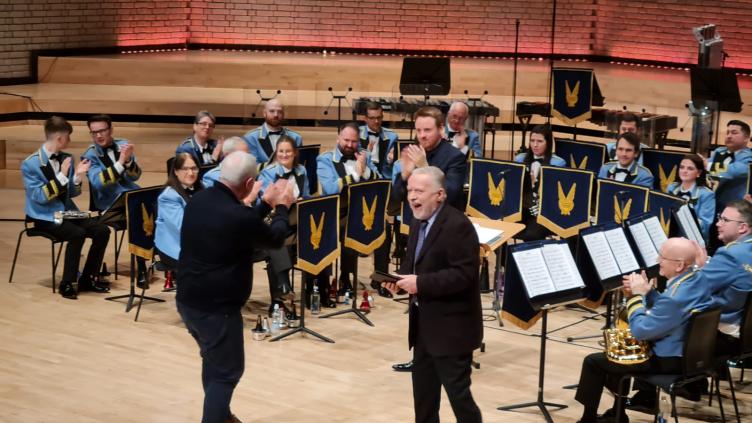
49 24
650 30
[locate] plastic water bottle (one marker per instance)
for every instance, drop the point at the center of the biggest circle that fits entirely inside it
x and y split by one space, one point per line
315 301
275 320
664 408
347 298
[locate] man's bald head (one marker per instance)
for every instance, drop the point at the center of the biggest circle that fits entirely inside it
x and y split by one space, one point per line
676 256
274 114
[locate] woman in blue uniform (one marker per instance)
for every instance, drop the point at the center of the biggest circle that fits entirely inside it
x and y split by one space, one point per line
285 164
181 184
539 154
693 188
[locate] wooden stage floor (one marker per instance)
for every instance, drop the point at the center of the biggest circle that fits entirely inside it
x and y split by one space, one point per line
87 361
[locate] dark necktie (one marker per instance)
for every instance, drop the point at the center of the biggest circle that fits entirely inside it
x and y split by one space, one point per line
190 191
421 237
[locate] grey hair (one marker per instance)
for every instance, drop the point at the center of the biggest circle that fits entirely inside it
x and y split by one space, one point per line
202 114
459 104
231 144
437 176
237 167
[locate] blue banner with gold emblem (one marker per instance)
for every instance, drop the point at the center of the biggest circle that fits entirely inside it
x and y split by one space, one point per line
661 205
565 196
664 165
572 94
307 155
495 189
617 201
140 214
318 233
405 218
581 154
365 230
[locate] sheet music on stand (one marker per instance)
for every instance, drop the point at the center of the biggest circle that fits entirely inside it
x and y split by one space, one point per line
558 274
487 235
610 252
648 235
688 225
115 214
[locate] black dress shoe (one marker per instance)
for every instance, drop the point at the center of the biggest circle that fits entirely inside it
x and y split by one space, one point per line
403 367
142 282
67 290
642 402
89 283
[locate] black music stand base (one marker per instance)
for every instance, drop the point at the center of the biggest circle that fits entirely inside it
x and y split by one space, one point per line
302 328
540 403
354 308
131 296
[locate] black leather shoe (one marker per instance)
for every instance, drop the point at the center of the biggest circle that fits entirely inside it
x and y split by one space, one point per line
141 282
642 402
67 290
89 283
403 367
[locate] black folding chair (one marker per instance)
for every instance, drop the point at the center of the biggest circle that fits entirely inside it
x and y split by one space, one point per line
698 362
31 231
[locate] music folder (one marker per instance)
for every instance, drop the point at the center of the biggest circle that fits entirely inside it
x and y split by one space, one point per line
548 273
687 223
609 255
115 214
648 236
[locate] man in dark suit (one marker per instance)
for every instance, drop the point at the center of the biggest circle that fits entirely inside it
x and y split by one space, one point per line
431 150
218 238
440 272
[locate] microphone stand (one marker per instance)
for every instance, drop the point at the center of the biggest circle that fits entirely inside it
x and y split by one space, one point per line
339 99
514 83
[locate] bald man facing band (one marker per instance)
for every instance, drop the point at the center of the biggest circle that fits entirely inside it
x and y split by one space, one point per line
262 141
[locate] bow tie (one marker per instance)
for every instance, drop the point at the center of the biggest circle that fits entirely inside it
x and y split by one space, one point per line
55 156
374 134
537 160
451 134
190 191
620 170
287 175
275 132
721 157
347 158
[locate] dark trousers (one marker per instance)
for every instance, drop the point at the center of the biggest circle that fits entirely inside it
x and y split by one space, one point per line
381 254
170 262
430 373
597 372
75 232
220 340
278 267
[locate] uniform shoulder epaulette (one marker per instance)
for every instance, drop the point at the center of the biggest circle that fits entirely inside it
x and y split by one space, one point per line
32 155
186 141
90 147
644 168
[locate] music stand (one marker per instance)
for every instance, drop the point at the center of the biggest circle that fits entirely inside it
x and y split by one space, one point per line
716 89
114 217
425 76
302 327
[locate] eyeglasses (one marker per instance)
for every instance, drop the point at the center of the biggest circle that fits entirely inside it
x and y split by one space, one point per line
193 169
99 131
726 219
205 124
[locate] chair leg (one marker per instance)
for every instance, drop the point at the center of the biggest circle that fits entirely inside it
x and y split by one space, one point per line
673 406
658 404
15 256
55 262
733 393
720 402
710 391
741 377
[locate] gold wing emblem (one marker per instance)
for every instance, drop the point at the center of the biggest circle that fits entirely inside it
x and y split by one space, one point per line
620 215
496 192
369 213
573 164
148 225
316 230
566 202
666 181
572 94
665 223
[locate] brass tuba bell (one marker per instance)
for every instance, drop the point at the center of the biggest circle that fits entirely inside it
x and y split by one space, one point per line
621 346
